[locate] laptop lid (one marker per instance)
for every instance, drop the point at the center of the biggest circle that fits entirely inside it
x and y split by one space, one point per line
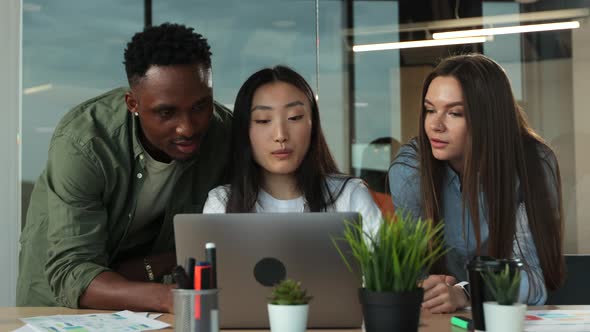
254 249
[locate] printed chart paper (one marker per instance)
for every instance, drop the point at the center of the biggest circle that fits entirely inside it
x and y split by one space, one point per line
123 321
557 320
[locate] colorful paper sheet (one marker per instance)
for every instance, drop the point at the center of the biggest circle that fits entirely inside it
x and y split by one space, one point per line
557 320
123 321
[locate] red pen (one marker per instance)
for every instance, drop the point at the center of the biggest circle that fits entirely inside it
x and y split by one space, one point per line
202 281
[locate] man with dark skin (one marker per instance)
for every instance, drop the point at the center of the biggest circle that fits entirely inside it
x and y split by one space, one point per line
99 227
174 105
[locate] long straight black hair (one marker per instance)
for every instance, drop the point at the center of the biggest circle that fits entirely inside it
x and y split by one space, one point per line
501 148
246 175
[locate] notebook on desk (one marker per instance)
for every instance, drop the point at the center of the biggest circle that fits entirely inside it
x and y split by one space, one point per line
254 250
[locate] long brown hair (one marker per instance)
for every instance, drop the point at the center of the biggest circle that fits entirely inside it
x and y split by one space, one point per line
502 151
318 163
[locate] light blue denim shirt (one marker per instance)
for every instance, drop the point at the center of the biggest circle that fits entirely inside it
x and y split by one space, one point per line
404 181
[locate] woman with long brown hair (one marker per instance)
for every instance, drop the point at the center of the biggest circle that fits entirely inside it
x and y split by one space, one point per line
480 168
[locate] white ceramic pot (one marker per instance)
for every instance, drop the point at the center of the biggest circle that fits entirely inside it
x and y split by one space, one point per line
504 318
288 318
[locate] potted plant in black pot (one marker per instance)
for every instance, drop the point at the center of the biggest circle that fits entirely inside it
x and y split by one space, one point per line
392 261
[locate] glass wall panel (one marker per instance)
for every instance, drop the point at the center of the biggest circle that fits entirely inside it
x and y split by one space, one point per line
548 71
246 36
369 101
72 51
376 125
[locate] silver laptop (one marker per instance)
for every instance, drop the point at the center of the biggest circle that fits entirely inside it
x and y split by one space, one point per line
256 250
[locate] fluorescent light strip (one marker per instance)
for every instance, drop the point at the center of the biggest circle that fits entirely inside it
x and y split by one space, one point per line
507 30
417 43
38 88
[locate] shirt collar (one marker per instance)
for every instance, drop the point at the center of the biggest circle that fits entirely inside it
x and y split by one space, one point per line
452 176
135 130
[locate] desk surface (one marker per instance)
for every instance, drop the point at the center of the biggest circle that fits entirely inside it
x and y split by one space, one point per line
429 322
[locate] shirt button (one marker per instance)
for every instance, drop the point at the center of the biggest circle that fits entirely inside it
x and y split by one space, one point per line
129 215
139 175
141 156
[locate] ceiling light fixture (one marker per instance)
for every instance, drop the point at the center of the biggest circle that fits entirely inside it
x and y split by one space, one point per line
507 30
38 88
417 43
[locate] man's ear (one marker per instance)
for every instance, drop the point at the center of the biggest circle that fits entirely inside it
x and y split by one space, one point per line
131 101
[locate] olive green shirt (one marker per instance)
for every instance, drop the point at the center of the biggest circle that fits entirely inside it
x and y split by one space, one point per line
84 201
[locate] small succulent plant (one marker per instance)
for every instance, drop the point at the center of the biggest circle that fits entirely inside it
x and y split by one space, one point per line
504 285
289 292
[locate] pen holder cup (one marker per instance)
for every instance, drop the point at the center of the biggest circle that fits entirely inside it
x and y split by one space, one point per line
196 311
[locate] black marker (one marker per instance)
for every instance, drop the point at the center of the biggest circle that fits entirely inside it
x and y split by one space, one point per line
190 268
180 277
211 257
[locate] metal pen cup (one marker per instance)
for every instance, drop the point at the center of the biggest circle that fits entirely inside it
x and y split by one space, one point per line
196 310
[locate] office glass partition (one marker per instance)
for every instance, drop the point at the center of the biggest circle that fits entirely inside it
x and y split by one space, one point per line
246 36
72 51
376 128
545 68
369 101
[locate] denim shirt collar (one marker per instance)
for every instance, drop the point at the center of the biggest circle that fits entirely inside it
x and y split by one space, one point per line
452 178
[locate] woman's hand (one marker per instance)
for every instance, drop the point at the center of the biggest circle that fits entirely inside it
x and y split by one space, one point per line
440 296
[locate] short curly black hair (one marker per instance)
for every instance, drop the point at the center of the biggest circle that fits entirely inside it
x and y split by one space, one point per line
164 45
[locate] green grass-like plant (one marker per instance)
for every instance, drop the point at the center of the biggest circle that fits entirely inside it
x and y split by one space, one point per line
289 292
503 285
399 253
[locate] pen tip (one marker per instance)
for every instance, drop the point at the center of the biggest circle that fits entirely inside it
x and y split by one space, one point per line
209 245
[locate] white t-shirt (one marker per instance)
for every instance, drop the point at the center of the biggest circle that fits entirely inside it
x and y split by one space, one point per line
354 197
